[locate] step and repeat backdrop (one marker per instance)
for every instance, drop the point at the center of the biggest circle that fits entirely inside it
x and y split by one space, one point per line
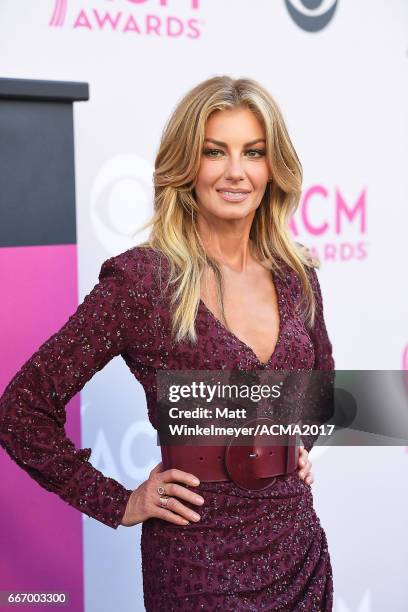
337 69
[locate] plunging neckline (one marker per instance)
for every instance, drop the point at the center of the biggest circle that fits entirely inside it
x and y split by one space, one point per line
226 331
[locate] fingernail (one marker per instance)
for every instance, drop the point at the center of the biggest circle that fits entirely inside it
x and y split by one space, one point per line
195 481
196 517
302 462
199 500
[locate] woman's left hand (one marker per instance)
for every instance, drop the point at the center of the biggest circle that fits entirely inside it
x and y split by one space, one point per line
305 466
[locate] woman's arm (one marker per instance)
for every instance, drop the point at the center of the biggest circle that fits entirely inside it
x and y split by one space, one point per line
32 407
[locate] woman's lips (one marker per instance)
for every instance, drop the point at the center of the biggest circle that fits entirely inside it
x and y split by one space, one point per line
229 196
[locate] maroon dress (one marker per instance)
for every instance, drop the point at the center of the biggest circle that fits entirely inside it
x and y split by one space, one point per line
251 550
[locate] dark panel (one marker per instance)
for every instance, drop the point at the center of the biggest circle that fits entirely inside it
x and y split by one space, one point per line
67 91
37 180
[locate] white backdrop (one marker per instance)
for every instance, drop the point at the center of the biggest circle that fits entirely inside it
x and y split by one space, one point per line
343 91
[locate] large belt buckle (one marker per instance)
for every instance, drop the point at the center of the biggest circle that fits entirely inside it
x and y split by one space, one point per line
255 467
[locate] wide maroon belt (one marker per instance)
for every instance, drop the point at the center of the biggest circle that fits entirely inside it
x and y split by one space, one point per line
252 467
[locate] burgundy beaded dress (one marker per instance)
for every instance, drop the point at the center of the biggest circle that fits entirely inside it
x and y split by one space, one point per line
251 550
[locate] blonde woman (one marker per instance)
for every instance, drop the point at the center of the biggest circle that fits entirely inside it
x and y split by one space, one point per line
219 285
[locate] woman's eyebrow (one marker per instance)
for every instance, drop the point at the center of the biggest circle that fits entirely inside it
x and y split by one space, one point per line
224 144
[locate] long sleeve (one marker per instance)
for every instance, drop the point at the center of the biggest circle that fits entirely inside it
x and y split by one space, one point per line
319 408
32 407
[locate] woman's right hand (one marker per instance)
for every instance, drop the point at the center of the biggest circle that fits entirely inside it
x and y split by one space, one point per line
144 502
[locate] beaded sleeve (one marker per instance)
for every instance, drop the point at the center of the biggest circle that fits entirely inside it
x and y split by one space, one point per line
32 407
322 385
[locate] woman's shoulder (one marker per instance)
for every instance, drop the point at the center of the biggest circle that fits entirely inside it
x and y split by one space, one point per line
309 259
291 277
139 265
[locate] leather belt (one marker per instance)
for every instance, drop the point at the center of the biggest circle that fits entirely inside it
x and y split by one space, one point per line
251 467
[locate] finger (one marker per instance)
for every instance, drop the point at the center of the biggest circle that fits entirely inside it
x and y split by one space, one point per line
176 490
166 515
309 479
180 476
303 455
178 508
157 468
306 470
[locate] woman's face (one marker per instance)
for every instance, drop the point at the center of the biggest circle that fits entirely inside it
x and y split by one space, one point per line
233 171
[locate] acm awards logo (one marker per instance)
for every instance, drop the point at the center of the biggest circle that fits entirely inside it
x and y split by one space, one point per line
140 17
128 16
332 224
311 15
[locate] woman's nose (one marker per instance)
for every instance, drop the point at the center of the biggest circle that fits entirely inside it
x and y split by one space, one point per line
234 169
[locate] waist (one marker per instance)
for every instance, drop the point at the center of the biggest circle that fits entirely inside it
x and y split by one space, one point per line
252 467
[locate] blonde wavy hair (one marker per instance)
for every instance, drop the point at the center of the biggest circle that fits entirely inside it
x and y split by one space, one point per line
174 233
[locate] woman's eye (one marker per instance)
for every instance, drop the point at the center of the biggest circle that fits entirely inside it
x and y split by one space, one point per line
258 152
208 151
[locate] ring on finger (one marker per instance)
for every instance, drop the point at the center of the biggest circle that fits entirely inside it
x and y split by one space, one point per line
164 500
161 490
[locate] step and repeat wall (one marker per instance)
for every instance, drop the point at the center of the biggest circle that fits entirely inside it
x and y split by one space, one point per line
337 69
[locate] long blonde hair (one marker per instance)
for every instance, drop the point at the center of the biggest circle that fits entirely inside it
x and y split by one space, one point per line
174 232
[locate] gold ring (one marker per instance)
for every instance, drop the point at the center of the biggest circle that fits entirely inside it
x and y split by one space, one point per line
164 501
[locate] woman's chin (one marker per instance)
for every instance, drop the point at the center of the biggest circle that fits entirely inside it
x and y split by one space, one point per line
232 212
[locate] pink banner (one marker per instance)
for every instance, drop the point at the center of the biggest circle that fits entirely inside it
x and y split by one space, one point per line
41 536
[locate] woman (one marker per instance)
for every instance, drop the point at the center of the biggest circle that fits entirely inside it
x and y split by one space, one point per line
220 284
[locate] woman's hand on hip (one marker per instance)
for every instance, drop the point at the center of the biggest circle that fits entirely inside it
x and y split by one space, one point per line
159 496
305 466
